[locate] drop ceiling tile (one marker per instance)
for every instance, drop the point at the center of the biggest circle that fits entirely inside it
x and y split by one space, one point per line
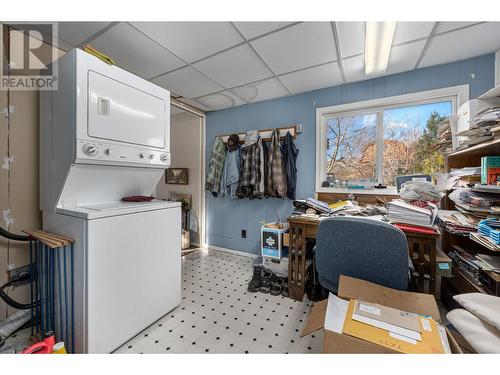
220 100
192 40
447 26
77 32
462 44
408 31
194 103
313 78
297 47
135 52
404 57
235 67
188 82
253 29
354 68
351 38
264 90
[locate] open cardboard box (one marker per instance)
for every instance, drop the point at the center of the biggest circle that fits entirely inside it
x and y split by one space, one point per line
351 288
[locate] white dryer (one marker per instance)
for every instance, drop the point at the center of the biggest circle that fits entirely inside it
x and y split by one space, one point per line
104 135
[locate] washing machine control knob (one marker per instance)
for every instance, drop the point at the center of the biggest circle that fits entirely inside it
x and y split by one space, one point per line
107 151
141 156
90 149
164 157
151 156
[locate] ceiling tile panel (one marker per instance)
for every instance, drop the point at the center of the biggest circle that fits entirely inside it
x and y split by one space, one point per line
448 26
462 44
135 52
220 100
187 82
297 47
408 31
351 38
253 29
77 32
313 78
264 90
235 67
354 68
192 40
404 57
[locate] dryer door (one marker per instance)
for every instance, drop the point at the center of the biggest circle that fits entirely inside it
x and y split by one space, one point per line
118 112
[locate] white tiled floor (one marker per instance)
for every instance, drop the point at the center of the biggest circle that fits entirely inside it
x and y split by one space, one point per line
218 315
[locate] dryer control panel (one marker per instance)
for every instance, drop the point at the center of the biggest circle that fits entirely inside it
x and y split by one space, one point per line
120 154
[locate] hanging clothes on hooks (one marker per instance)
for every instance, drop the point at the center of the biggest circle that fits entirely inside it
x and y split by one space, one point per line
290 153
276 178
250 171
216 166
231 173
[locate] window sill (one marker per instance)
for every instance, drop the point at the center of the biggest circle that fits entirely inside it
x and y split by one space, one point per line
391 190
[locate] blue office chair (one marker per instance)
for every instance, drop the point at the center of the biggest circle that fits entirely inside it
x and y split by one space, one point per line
363 248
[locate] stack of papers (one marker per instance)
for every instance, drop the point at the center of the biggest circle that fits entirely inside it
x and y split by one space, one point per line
320 206
489 263
398 330
444 140
399 211
457 222
485 116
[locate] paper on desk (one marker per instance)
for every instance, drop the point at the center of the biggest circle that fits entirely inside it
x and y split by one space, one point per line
336 311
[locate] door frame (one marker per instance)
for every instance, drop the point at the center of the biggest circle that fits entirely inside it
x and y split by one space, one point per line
201 177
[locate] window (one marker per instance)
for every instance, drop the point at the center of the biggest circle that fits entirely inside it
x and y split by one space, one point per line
383 138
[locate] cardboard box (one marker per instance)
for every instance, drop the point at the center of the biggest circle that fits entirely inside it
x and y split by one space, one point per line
286 239
443 264
490 170
272 239
349 287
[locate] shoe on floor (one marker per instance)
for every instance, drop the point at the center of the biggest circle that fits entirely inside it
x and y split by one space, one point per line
266 281
277 286
284 287
255 284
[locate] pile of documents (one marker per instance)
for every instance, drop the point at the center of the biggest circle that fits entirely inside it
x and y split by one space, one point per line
420 191
490 228
476 203
457 222
321 207
462 177
444 139
399 211
483 127
402 331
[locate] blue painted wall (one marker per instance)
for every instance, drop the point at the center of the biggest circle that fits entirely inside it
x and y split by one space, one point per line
226 218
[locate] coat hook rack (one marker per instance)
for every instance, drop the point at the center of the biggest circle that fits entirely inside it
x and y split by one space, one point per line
265 134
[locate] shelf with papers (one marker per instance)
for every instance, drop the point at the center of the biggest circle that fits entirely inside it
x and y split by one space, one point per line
483 149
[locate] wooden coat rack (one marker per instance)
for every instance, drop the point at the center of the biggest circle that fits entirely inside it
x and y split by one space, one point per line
265 134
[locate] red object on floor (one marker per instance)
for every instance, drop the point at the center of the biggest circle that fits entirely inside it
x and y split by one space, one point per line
46 346
138 198
416 229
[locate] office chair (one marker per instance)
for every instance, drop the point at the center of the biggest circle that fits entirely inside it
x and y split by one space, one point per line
363 248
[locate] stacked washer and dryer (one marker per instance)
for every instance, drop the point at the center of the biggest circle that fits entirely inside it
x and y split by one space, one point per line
105 135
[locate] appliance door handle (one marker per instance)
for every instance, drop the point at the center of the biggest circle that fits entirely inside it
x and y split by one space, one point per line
103 106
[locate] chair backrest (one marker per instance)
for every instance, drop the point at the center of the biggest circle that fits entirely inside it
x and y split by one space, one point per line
363 248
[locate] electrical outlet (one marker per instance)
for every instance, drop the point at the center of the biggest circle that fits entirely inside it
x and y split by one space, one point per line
243 233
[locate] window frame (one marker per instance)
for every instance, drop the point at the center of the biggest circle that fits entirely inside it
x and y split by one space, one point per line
456 94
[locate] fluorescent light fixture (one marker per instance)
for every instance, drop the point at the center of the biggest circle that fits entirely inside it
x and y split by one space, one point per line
378 42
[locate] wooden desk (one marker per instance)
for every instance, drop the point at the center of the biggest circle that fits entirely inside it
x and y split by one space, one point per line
421 247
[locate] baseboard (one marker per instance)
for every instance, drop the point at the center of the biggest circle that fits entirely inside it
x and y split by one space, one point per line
236 252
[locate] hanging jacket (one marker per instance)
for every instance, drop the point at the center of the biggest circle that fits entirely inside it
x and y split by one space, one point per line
276 178
290 153
216 166
250 172
231 174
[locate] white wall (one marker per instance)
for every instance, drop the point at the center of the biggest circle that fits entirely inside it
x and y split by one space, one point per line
185 141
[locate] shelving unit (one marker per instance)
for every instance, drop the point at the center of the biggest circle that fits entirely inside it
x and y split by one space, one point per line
470 157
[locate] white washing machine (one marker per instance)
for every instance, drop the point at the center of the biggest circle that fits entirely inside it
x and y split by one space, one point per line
104 135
